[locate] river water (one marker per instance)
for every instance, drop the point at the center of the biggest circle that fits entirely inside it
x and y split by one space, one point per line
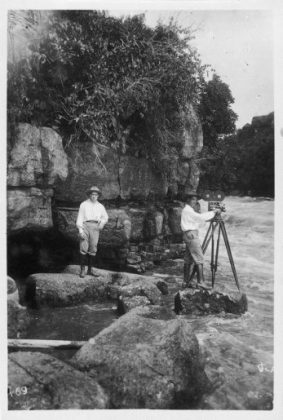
238 350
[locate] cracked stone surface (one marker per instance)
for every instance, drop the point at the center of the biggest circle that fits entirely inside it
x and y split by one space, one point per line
38 381
67 288
200 301
145 363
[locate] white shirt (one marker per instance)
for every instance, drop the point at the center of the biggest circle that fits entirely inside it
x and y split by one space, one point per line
191 220
91 211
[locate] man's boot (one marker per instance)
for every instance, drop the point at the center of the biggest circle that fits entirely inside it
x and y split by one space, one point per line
82 262
188 271
90 265
200 276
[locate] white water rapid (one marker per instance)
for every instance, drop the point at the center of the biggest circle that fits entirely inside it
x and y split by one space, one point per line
239 349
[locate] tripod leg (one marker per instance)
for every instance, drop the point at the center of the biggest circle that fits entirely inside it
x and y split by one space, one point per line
216 255
206 239
225 237
212 254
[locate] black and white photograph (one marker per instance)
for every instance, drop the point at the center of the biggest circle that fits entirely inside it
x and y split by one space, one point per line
139 209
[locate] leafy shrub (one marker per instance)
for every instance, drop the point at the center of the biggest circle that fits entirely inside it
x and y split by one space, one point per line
112 81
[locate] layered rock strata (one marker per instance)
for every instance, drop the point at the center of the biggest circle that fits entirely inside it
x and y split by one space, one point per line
46 182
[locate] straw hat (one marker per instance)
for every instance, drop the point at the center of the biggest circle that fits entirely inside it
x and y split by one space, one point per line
92 190
191 193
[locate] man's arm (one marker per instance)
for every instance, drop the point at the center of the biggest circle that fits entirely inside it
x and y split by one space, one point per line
80 219
208 215
202 217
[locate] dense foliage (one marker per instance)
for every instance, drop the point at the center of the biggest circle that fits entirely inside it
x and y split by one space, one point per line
108 80
215 110
245 161
119 83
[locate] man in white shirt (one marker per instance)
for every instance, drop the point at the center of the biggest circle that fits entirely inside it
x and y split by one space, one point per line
190 221
91 219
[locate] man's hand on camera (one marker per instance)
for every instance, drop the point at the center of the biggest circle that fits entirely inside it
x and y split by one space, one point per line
217 211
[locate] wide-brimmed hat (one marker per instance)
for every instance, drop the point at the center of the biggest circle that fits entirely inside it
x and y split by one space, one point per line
92 190
191 193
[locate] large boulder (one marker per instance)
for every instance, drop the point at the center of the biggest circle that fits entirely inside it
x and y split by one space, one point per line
143 362
37 158
200 301
38 381
65 289
35 163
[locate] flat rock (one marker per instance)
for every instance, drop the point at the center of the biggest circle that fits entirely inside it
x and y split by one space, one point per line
63 289
128 284
67 288
144 362
201 301
38 381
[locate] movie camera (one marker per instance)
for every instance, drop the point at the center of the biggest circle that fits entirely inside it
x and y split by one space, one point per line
214 199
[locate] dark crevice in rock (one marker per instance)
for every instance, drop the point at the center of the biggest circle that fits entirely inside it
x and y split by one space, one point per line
37 250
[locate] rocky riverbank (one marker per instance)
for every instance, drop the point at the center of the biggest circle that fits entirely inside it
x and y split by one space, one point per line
148 358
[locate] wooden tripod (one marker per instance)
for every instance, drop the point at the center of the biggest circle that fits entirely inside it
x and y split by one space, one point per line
215 224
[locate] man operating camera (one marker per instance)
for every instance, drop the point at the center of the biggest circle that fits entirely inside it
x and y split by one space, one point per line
190 222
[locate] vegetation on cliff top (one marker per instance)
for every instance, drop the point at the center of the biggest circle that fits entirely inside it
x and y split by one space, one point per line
120 83
114 81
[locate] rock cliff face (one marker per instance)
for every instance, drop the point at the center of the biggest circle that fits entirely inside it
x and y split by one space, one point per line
129 177
36 162
46 183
